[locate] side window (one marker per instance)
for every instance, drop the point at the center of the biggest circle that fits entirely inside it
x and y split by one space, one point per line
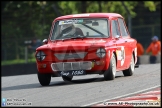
115 30
54 30
122 27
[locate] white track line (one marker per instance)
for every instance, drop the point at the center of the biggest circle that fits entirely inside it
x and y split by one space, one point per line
120 96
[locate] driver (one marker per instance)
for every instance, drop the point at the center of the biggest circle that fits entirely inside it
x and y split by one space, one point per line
68 29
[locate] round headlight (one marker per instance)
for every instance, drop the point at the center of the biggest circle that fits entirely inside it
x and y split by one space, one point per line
40 55
101 52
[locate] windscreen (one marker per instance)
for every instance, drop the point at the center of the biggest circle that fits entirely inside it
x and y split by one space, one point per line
88 28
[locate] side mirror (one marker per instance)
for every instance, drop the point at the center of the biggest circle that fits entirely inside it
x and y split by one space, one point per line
45 41
117 37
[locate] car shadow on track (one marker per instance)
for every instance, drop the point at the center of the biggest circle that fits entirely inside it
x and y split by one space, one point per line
58 83
80 81
18 87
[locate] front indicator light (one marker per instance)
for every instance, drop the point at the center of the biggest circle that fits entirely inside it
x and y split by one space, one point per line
100 62
42 65
93 63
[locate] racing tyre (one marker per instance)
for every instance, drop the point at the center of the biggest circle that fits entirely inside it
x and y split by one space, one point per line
44 79
110 73
130 70
67 78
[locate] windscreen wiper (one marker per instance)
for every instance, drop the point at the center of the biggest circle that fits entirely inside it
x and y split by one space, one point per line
78 36
94 29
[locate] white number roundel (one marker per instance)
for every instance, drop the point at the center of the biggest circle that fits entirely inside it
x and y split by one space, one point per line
122 55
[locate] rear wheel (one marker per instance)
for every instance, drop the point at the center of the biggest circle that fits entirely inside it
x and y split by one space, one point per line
130 70
44 79
111 72
67 78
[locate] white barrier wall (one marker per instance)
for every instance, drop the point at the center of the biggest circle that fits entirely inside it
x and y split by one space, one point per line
144 59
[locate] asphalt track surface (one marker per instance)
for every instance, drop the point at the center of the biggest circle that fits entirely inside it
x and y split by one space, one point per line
83 90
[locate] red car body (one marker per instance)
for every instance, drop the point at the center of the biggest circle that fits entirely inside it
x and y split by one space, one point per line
89 54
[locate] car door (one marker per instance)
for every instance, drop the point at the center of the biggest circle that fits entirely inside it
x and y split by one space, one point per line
127 41
119 43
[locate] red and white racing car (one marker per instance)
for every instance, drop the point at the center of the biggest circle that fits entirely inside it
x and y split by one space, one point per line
81 44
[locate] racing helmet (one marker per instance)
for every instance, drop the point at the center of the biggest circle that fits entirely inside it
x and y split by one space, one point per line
68 29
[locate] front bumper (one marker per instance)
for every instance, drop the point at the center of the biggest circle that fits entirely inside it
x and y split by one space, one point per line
88 66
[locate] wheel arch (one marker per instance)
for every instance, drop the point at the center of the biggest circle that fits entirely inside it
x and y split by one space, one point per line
115 57
134 55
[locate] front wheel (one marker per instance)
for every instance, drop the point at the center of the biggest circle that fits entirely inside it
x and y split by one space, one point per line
110 73
67 78
44 79
130 70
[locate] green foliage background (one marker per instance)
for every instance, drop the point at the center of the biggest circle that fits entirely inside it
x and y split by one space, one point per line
22 20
